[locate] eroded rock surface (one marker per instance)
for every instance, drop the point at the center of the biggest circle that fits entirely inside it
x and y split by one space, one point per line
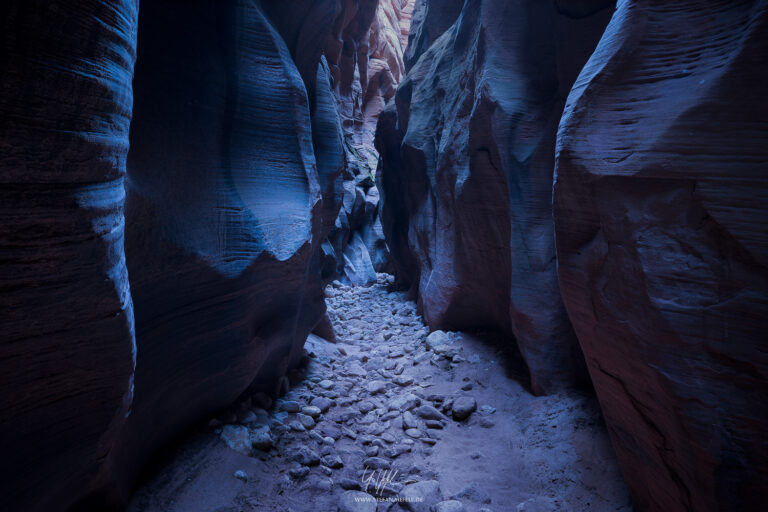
224 198
466 173
429 21
66 320
365 53
660 209
233 180
365 56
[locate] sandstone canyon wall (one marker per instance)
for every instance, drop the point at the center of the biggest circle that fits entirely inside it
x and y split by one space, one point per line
430 19
233 181
224 203
658 240
661 204
142 289
468 177
222 217
66 319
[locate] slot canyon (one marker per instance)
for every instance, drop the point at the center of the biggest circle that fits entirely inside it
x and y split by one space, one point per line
384 255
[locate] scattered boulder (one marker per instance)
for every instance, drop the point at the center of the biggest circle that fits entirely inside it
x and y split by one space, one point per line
438 338
290 406
333 461
306 421
349 484
298 472
304 456
376 386
404 402
463 407
312 411
376 463
422 496
261 438
321 403
237 437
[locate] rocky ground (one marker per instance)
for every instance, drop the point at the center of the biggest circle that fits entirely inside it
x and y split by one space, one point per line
394 418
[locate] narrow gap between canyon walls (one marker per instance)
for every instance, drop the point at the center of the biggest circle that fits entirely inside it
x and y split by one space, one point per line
383 256
381 414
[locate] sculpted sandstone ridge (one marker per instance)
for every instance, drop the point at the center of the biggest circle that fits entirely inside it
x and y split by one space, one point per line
67 354
231 184
221 219
659 204
365 57
466 172
660 209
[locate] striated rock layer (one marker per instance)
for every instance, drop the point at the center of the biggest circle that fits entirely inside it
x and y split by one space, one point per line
224 200
365 55
661 201
466 173
66 319
233 179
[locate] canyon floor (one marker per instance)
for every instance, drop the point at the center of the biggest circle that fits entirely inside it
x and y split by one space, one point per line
392 418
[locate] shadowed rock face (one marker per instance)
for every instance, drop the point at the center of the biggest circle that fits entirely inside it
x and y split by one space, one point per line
66 320
234 171
305 26
223 199
660 210
394 189
431 18
468 180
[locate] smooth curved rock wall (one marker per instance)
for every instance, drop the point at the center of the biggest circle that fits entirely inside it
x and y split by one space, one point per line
223 199
233 179
660 209
431 18
468 178
67 351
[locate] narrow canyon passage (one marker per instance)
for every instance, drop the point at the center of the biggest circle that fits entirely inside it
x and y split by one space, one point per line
438 417
383 256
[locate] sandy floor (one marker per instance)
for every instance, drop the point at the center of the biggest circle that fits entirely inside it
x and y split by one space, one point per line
381 410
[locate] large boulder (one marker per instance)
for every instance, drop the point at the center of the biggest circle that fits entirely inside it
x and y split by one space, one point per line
661 201
67 351
466 175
